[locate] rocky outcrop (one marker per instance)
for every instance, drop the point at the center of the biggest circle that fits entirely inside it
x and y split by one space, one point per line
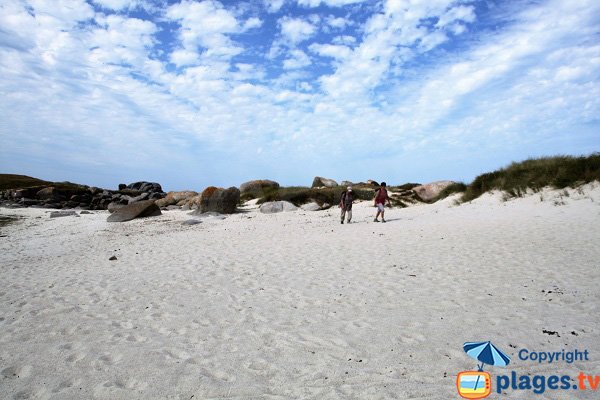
323 182
372 182
258 187
149 187
60 195
219 200
272 207
431 190
176 198
146 208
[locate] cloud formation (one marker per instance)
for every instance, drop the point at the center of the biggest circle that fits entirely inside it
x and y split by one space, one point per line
194 92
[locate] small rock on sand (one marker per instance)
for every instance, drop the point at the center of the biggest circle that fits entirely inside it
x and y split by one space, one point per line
272 207
141 209
310 206
191 222
57 214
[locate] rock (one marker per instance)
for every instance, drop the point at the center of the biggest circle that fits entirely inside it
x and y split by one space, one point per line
310 206
28 202
113 258
372 182
194 202
175 197
48 193
220 200
431 190
114 206
325 206
170 208
58 214
135 199
346 183
150 187
122 186
272 207
257 187
191 222
86 212
146 208
323 182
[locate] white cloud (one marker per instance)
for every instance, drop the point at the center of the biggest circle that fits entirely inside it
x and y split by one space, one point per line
116 5
330 3
296 30
329 50
273 6
207 25
298 60
252 23
337 22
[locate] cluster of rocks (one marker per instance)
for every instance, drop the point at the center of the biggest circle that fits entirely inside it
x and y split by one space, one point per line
320 182
83 197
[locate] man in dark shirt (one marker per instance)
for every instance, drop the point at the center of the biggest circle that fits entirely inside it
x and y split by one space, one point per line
346 204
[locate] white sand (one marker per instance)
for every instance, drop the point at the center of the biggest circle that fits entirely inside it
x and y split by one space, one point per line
295 305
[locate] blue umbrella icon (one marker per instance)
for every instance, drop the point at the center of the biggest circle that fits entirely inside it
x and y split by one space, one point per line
487 353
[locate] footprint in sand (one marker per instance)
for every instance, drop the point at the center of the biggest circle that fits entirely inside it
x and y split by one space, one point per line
110 359
16 371
66 385
77 356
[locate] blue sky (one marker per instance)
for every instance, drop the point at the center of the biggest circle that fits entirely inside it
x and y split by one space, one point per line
195 93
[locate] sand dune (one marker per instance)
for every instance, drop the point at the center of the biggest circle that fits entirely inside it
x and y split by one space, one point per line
295 305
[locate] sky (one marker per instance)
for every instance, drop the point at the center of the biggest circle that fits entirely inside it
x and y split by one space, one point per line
194 93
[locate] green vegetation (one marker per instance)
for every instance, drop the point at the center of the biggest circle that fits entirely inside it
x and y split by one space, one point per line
457 187
10 181
558 172
299 195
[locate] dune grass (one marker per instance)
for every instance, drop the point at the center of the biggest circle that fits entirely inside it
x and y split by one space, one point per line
299 195
536 173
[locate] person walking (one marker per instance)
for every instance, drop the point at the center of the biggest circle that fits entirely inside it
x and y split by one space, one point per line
381 195
346 204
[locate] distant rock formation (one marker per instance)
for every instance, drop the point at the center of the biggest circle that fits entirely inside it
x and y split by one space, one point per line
146 208
430 191
219 200
272 207
149 187
323 182
175 198
61 195
257 187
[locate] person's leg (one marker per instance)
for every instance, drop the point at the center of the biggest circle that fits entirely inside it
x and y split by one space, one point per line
378 212
343 214
349 215
382 216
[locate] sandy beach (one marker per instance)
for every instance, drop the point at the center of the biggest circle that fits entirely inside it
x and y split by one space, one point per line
294 305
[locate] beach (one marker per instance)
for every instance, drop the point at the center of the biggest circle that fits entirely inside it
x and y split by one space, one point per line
295 305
